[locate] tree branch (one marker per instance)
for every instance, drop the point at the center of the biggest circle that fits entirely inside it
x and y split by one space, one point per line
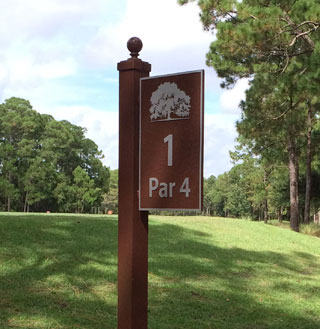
291 107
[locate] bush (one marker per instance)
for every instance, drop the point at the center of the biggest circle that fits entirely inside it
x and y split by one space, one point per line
310 229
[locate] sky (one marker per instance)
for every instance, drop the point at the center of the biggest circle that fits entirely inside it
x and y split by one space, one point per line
62 56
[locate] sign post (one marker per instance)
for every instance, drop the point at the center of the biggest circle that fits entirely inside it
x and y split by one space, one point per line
171 142
133 224
160 167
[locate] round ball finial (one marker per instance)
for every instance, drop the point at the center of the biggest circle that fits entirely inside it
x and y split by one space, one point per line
134 45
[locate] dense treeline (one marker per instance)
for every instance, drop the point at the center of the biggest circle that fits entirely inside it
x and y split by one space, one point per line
252 190
47 165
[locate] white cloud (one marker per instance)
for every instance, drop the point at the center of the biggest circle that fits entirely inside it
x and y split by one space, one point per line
44 40
163 26
57 69
230 99
219 137
25 70
45 19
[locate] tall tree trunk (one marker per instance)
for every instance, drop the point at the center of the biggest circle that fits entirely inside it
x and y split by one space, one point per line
293 177
308 167
265 218
260 213
25 202
9 197
280 211
265 211
9 204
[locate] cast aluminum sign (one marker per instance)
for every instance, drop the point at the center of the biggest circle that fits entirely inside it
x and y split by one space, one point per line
171 142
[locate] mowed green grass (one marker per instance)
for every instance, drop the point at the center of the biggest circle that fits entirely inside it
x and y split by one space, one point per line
60 271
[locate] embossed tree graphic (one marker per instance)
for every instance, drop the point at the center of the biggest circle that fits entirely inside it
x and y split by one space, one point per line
169 103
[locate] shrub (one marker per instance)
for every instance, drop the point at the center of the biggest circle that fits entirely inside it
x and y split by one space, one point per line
310 229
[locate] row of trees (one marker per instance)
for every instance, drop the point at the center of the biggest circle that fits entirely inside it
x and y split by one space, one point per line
276 46
252 190
47 165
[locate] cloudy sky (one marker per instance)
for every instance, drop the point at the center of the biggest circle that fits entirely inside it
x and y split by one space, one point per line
62 56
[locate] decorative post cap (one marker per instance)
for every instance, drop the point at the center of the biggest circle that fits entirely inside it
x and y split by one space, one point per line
134 45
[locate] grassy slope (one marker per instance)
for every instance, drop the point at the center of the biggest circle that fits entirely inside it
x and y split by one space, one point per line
224 273
205 273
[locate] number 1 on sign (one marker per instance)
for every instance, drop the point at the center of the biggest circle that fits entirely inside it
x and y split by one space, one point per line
169 140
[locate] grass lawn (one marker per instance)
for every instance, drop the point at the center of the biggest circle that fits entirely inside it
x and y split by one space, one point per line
60 271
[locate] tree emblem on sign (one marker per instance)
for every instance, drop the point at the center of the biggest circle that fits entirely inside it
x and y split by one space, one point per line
169 103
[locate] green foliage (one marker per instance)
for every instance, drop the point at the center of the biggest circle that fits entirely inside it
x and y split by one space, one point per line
279 190
110 200
237 193
83 191
38 159
275 44
255 37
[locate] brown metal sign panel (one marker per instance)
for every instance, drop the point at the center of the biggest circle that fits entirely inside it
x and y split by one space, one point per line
171 142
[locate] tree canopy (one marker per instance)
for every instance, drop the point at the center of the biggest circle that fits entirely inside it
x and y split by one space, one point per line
261 35
47 165
276 45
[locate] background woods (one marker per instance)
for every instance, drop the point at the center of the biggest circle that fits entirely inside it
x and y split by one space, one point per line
47 165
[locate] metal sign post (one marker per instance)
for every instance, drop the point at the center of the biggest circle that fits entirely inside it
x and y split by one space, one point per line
133 224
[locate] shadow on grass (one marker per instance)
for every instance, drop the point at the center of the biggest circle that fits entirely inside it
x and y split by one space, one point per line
61 272
58 272
195 284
